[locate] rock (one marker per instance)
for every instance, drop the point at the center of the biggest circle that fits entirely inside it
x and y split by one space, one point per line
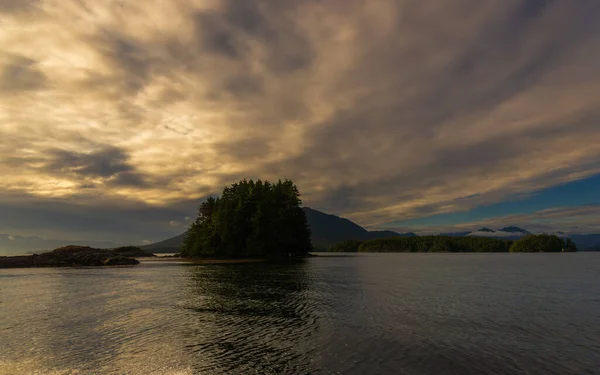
133 252
120 261
69 256
16 262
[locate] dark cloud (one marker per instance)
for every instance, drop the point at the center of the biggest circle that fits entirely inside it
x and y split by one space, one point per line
530 10
225 32
247 149
105 162
92 218
87 186
131 179
131 63
15 6
21 74
472 196
214 37
244 85
245 16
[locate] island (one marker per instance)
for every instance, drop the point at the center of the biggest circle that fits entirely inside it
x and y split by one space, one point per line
250 220
77 256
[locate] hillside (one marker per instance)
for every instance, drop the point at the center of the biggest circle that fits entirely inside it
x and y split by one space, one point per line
325 229
507 233
171 245
586 242
329 229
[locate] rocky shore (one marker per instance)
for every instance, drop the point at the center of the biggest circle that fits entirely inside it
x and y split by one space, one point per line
132 252
76 256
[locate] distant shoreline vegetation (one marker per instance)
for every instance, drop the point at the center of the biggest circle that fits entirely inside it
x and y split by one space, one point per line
250 220
444 244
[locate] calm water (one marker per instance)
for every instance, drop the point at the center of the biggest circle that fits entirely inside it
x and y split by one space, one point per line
368 314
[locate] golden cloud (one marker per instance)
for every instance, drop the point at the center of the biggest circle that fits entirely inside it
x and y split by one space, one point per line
380 110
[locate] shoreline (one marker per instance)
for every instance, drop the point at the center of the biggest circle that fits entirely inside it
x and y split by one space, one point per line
202 261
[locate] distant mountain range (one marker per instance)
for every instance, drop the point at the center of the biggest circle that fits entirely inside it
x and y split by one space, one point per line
507 233
171 245
586 242
326 230
329 229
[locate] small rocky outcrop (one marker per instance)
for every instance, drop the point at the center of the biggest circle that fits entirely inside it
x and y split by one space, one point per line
120 260
132 252
69 256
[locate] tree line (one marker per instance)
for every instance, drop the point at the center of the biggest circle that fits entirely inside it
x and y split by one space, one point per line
467 244
250 220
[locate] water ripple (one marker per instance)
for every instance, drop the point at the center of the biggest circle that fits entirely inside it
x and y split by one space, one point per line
384 314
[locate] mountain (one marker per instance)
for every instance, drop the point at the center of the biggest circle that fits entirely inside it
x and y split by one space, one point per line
388 233
326 230
455 234
510 233
329 229
586 242
560 234
514 230
171 245
593 248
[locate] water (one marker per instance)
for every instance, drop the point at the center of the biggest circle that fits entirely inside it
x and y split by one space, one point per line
365 314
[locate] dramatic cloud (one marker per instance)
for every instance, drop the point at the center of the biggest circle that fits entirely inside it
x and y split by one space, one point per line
380 110
20 74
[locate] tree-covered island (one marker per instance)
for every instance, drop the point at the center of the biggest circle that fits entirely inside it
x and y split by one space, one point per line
250 220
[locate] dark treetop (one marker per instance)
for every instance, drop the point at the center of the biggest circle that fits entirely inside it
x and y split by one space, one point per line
250 220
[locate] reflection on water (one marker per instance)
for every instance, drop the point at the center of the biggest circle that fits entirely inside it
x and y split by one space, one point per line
250 319
376 313
162 318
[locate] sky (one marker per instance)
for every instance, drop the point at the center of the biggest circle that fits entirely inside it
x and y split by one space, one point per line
118 117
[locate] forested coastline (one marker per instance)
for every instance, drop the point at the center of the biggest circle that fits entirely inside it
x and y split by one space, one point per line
446 244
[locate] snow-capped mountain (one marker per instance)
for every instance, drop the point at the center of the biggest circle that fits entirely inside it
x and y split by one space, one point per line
507 232
513 229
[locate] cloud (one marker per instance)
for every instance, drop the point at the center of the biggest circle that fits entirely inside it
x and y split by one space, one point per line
14 6
20 74
90 217
105 162
570 220
381 111
131 179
